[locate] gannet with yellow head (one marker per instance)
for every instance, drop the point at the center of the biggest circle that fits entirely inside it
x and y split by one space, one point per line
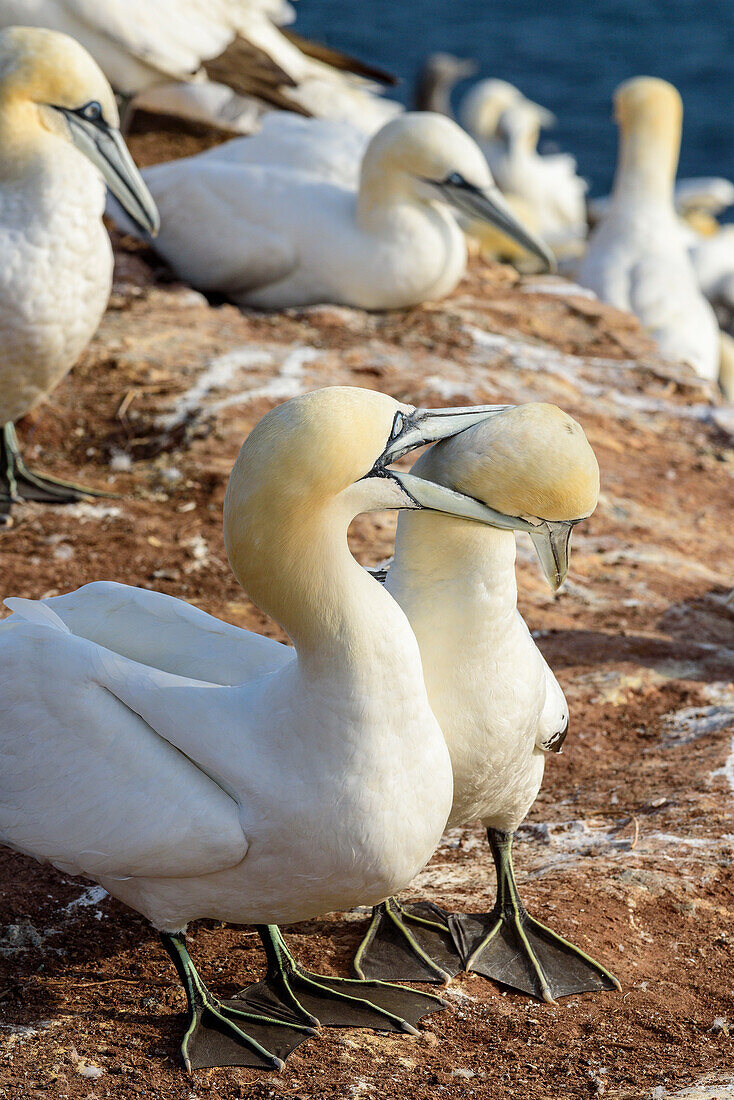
272 235
273 800
60 144
637 259
499 705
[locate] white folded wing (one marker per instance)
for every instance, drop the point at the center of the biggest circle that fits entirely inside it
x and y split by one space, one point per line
92 782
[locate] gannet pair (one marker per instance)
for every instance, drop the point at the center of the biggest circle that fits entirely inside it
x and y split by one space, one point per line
60 144
320 780
637 258
499 705
271 233
220 62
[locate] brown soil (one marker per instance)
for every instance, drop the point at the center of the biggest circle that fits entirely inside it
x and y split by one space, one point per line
629 850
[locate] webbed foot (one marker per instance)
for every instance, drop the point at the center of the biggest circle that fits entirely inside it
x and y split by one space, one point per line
408 943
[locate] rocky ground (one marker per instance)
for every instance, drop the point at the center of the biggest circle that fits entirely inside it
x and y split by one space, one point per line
629 850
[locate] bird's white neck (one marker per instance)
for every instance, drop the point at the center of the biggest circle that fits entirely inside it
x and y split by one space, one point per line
469 567
646 165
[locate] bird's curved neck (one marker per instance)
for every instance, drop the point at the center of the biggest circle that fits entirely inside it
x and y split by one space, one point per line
346 629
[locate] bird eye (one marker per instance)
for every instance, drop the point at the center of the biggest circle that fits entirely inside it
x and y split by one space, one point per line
92 112
397 426
455 179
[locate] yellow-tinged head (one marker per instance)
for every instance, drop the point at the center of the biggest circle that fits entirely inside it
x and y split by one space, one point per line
51 90
312 464
533 466
532 460
649 114
482 107
51 69
425 157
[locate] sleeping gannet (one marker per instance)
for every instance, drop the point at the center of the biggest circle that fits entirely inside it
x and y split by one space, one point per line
636 258
60 144
220 62
273 235
499 705
273 800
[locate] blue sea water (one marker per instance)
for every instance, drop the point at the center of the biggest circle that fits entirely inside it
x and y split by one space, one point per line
568 55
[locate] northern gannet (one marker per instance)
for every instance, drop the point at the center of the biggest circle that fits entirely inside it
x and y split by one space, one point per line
60 144
548 185
220 62
636 258
498 703
481 108
273 800
272 236
438 76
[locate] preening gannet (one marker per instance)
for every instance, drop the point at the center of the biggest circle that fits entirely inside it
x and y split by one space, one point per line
482 107
220 62
498 703
636 258
273 800
548 185
273 236
60 144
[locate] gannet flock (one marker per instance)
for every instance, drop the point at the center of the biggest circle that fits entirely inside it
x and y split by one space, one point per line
194 769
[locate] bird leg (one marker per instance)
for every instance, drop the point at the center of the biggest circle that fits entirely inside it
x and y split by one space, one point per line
511 947
18 483
223 1033
408 943
334 1002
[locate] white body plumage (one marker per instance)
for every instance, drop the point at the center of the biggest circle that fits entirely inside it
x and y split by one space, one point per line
55 271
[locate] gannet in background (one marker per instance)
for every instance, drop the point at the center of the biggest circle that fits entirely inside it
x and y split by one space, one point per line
223 63
498 703
270 801
438 76
636 259
272 236
60 144
482 106
548 186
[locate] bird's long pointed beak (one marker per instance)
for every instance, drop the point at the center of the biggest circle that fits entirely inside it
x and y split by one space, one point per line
429 425
552 542
551 539
489 205
106 149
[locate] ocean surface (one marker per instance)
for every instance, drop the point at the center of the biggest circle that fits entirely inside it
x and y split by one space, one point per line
567 55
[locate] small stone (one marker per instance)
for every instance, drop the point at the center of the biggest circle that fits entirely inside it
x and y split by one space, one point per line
466 1074
430 1039
720 1026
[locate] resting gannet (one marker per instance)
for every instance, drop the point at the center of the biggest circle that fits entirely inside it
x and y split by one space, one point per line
220 62
498 703
60 145
273 235
636 258
270 801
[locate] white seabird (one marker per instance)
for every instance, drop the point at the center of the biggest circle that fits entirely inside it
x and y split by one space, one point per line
636 258
273 800
273 236
60 145
499 705
549 186
482 107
